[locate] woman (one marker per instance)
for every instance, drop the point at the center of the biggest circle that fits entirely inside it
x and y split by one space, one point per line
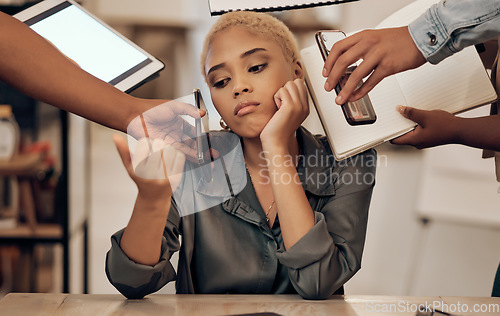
299 224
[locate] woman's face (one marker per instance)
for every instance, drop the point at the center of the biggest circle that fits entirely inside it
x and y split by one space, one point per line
244 71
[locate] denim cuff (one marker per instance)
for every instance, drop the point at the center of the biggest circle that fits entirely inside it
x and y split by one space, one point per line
430 36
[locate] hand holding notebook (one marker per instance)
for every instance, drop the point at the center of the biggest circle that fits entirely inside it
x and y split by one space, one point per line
455 85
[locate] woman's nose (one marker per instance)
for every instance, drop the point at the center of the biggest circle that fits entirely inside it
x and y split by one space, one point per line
237 92
241 87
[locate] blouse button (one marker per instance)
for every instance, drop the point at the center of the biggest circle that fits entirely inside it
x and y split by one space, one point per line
432 39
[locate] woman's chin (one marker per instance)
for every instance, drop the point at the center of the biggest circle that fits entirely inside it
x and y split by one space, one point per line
251 127
249 132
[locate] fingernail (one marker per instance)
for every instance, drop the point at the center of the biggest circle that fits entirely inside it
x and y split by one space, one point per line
325 73
339 100
401 109
327 86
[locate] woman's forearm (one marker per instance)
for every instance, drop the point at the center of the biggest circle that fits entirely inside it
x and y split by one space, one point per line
295 213
141 240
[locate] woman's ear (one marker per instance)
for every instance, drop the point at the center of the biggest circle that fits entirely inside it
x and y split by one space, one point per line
298 71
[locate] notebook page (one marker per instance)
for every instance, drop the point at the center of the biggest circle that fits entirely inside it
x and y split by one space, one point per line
456 84
344 138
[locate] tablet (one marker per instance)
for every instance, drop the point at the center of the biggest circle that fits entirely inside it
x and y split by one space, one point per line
96 47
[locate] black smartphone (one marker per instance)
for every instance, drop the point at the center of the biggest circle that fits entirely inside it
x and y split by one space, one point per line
359 112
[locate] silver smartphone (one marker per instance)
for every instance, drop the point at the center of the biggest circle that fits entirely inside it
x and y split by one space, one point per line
359 112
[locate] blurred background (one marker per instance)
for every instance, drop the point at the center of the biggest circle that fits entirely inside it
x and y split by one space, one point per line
434 222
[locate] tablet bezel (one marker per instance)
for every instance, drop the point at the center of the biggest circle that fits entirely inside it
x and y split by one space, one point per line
132 78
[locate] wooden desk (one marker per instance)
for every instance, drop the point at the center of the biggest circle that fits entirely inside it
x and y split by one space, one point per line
111 304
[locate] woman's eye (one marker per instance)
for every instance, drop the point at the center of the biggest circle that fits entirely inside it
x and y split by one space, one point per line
257 68
221 83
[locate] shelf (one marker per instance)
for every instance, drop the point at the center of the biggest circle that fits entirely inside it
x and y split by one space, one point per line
41 232
22 165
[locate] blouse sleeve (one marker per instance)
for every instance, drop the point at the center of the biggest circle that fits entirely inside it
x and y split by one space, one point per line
330 253
136 280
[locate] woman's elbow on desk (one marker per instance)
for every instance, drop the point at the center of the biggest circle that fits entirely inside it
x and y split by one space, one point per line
328 279
134 280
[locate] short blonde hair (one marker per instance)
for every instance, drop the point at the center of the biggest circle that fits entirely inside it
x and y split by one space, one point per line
261 24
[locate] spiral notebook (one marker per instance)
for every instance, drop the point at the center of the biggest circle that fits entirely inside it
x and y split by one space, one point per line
457 84
218 7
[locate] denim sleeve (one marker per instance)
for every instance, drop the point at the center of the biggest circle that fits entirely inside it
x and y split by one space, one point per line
136 280
451 25
330 253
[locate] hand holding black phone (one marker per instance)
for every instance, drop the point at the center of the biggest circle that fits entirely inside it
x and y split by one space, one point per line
358 112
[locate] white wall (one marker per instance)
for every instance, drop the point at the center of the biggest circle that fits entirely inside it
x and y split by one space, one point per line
367 14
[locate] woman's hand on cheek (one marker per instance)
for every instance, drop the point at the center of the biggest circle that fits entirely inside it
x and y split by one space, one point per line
293 108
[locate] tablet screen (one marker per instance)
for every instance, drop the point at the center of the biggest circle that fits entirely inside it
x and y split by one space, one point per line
97 49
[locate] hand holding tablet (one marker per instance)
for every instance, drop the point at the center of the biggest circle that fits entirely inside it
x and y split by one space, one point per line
92 44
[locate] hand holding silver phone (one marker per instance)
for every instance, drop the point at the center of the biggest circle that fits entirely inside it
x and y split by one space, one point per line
358 112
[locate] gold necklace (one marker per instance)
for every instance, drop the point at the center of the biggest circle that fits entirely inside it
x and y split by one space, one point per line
270 206
269 210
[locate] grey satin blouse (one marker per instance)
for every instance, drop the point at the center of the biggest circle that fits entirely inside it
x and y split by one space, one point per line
229 248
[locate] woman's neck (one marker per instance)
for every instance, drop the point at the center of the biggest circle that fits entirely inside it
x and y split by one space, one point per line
255 155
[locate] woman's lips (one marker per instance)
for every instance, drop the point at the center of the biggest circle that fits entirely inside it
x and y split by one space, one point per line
245 107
